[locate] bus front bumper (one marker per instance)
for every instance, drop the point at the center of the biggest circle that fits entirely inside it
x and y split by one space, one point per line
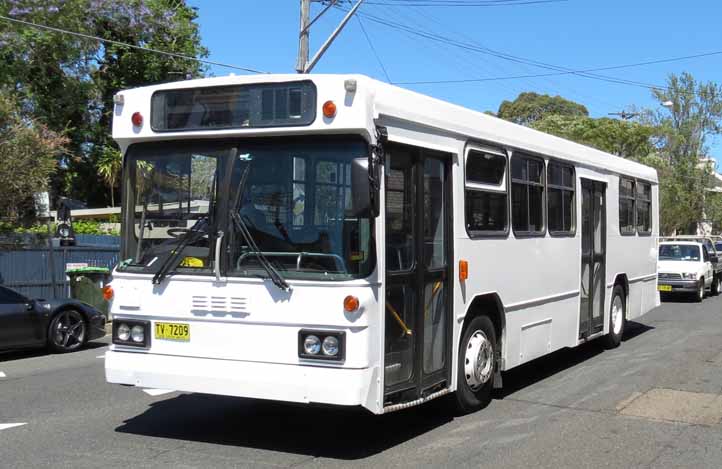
280 382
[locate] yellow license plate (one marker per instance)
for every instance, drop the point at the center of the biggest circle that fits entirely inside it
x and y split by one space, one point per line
172 331
664 287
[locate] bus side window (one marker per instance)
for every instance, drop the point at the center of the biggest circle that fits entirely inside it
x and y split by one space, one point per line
561 207
527 195
643 196
485 193
626 207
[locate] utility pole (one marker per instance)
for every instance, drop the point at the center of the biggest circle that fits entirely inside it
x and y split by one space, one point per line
303 36
303 65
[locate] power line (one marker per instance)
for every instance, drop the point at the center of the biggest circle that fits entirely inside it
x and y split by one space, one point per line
596 69
373 49
123 44
460 3
505 56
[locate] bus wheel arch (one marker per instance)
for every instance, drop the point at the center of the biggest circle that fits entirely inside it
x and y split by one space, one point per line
623 281
479 353
617 316
488 304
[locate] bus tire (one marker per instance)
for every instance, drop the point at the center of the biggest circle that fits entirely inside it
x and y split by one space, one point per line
477 364
617 318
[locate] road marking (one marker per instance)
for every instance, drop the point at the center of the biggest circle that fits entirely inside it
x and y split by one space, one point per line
2 375
5 426
157 392
101 356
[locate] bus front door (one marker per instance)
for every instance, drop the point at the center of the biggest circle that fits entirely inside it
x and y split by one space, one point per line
418 271
594 241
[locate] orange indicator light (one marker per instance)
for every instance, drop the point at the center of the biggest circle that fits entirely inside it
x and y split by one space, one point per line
329 109
350 304
108 293
463 270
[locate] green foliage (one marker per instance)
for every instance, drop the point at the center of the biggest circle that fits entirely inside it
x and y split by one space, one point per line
27 158
684 127
68 83
529 107
621 138
109 166
90 227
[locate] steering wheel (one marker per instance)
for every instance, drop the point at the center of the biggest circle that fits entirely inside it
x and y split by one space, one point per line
177 232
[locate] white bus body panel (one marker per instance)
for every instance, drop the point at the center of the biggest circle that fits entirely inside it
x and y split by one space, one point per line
253 353
244 339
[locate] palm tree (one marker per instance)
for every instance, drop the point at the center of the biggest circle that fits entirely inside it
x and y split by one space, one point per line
109 165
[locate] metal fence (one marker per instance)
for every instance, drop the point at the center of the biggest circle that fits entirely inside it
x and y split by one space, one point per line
25 262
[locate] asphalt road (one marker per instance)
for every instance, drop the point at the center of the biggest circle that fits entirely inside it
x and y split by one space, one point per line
587 407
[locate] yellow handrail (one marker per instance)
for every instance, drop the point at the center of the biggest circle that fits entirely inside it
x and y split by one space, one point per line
403 325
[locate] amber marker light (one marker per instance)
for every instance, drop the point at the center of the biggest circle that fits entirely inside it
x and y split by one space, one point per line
350 304
108 293
329 109
463 270
137 119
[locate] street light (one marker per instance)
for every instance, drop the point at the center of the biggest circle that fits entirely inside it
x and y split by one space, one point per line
668 104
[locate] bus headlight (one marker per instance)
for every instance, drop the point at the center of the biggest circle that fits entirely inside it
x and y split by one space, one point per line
312 345
137 334
123 332
321 345
330 346
131 332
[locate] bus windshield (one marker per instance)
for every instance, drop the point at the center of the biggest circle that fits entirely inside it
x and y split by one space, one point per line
678 252
293 197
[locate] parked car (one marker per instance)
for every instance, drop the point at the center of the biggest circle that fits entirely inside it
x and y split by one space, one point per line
61 325
714 249
686 267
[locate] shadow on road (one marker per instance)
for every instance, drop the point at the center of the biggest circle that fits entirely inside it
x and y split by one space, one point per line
20 354
542 368
320 431
332 432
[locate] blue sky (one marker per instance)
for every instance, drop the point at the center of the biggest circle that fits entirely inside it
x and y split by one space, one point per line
578 34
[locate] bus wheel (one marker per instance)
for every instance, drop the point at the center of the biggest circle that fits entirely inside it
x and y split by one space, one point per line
617 315
477 352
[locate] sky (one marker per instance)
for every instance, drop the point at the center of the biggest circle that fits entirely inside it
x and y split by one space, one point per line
575 34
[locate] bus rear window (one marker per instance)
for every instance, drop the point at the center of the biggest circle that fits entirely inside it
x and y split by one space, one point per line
237 106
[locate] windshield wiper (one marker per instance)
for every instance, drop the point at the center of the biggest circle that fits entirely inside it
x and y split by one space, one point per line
199 229
272 272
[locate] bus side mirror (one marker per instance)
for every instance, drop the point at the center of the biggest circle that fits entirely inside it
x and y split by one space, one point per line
363 202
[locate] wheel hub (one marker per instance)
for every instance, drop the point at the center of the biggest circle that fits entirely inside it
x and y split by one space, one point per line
478 360
617 315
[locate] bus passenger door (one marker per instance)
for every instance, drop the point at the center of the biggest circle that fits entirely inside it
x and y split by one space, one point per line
594 243
418 249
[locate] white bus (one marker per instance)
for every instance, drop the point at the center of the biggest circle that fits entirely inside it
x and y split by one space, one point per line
334 239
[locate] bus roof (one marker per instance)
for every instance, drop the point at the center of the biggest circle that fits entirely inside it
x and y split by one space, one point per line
382 100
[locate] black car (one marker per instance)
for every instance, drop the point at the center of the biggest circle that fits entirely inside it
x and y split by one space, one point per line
60 325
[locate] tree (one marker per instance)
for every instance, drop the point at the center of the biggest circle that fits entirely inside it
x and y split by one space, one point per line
689 114
621 138
68 83
28 152
109 166
530 107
